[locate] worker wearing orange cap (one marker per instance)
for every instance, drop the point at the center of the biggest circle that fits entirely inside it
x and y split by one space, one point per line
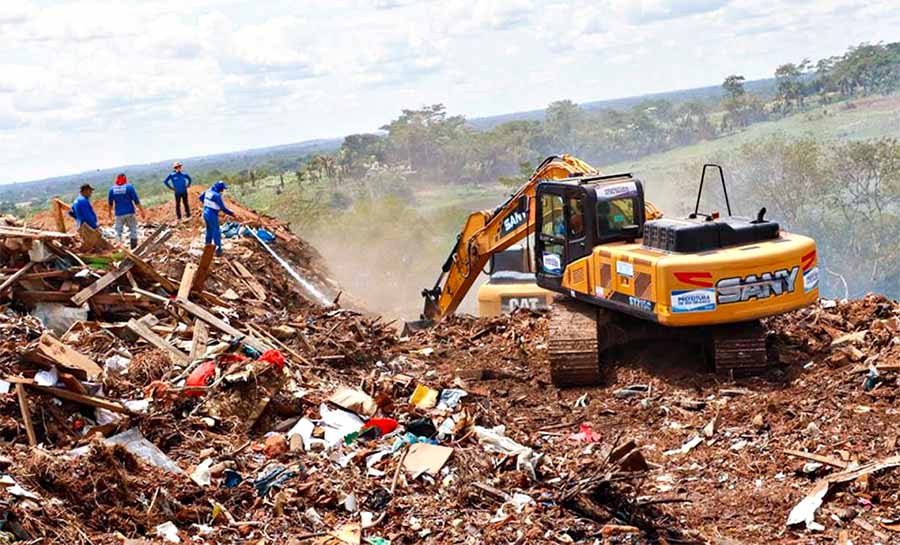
179 182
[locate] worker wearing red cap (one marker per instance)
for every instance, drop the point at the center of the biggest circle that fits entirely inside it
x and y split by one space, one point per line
179 182
123 198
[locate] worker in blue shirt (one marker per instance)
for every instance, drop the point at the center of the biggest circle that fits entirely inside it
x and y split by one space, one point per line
82 210
123 198
179 182
212 205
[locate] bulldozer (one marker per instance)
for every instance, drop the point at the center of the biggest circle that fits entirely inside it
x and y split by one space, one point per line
622 273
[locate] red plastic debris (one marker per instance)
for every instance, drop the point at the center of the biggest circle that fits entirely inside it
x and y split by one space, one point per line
200 377
273 357
384 425
585 434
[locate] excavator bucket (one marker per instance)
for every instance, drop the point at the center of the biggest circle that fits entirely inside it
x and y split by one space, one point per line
411 327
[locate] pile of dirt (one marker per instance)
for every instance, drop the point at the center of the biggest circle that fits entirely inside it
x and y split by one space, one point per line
319 424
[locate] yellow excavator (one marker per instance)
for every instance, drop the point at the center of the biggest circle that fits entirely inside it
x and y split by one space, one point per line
624 273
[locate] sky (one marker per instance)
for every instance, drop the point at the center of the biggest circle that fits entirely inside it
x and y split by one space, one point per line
97 84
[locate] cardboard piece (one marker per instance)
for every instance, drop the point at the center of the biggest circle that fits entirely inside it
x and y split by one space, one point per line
426 458
51 351
354 400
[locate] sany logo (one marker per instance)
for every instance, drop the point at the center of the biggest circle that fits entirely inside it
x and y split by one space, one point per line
513 220
763 286
738 289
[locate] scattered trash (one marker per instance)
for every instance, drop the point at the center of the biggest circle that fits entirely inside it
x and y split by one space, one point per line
424 397
586 435
425 458
273 477
354 400
421 427
686 447
631 391
450 398
169 532
136 444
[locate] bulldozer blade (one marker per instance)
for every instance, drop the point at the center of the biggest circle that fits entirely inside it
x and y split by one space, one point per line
411 327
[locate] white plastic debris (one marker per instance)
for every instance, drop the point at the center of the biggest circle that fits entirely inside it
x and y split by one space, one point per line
116 364
47 378
686 447
338 424
168 531
494 439
138 445
304 428
450 398
13 488
201 474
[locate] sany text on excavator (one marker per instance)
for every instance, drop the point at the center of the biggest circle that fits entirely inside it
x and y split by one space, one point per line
627 274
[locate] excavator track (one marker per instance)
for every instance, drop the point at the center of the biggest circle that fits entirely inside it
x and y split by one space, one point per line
581 336
573 346
740 348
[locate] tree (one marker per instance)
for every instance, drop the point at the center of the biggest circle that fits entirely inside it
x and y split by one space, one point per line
734 86
562 120
788 84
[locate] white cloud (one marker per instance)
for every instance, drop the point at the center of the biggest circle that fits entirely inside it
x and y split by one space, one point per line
128 80
645 11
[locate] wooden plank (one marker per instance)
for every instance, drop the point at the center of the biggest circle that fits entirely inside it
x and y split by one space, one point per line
25 232
258 290
25 408
817 458
58 215
92 401
31 297
141 329
200 339
199 312
209 253
147 270
187 281
157 238
14 278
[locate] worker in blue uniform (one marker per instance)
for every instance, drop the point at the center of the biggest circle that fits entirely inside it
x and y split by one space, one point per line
213 204
179 182
82 210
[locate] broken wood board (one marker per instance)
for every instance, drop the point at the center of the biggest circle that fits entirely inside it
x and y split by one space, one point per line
26 232
15 277
158 237
89 400
426 458
827 460
209 253
147 270
187 281
52 352
252 283
199 312
25 409
200 339
140 329
805 511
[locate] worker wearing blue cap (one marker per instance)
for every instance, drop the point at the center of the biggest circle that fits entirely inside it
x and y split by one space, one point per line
213 204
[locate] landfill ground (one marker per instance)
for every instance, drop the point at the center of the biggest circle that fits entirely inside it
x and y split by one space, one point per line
117 449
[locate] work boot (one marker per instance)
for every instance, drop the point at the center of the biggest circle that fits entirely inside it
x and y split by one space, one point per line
219 252
134 243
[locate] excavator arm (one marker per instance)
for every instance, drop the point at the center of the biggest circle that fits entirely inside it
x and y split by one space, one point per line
487 232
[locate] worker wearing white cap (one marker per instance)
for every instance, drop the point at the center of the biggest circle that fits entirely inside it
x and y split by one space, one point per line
179 182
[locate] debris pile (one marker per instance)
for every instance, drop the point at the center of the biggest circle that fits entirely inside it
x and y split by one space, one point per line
162 395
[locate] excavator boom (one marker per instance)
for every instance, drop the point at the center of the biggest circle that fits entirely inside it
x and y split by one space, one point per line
486 233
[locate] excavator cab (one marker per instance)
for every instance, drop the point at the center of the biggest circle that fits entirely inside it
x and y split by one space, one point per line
575 215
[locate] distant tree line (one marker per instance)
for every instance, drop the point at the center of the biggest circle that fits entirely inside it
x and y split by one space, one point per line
431 145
